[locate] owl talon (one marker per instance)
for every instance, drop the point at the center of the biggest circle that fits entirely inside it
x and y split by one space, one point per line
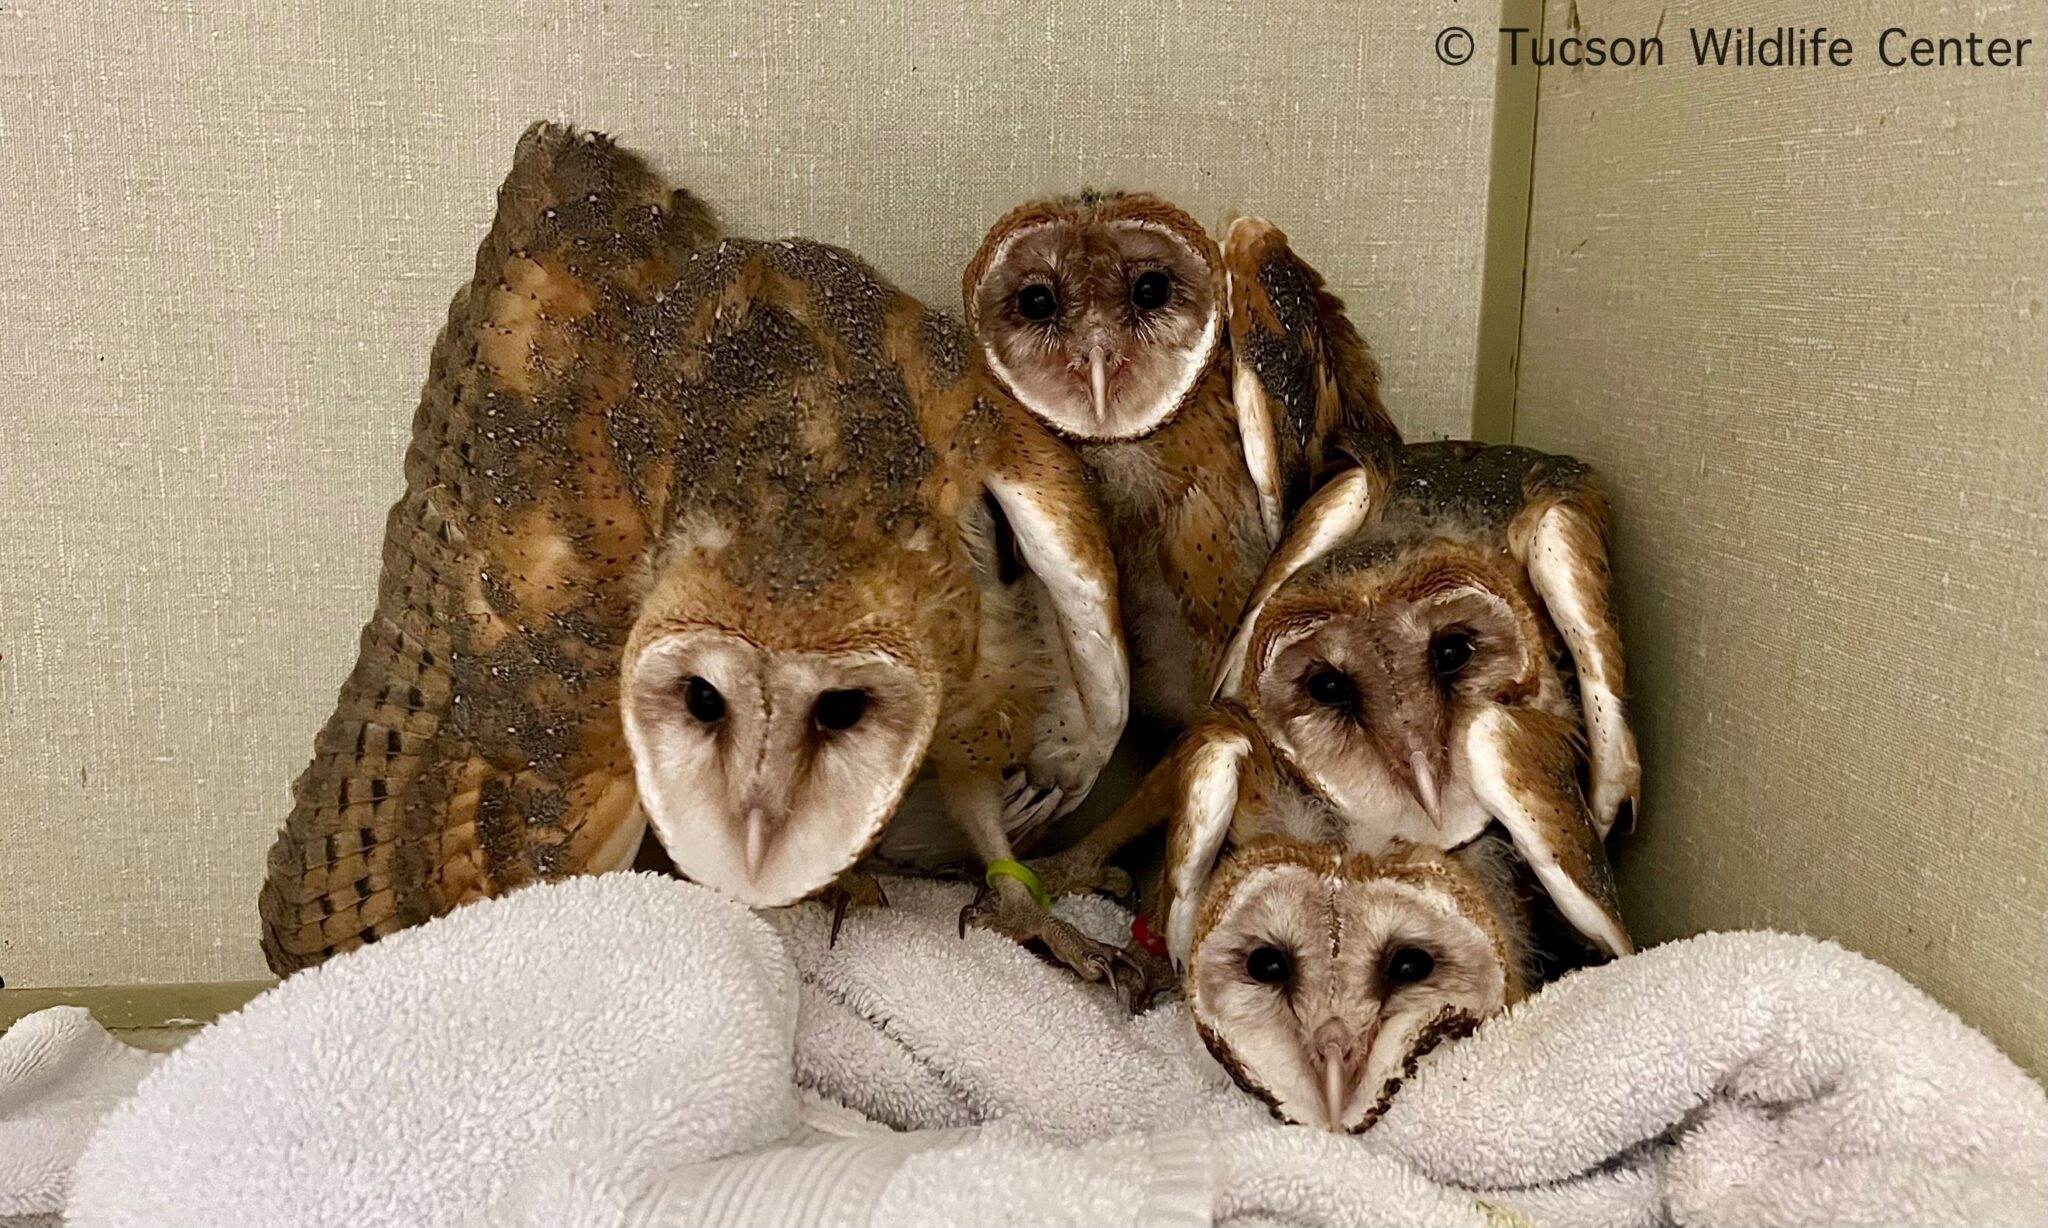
852 888
1141 977
973 909
1014 914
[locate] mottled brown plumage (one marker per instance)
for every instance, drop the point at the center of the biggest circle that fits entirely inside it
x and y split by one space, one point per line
1205 416
1407 670
643 449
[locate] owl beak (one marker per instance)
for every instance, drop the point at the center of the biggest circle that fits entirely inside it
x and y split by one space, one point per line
1340 1058
756 840
1098 381
1423 777
1413 763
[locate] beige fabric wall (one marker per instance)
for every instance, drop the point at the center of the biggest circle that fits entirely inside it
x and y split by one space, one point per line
1796 317
232 230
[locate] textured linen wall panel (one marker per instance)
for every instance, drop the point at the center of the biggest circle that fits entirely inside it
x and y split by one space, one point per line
1796 317
233 229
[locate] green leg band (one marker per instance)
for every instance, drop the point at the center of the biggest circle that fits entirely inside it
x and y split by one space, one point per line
1003 867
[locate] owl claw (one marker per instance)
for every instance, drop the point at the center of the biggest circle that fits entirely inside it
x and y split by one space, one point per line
973 908
1139 978
1135 977
852 888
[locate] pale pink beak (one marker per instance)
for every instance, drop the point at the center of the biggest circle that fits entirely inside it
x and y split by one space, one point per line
1340 1057
1423 777
757 840
1098 381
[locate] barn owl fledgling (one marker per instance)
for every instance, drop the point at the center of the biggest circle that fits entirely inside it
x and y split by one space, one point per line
730 538
1318 977
1408 667
1397 683
1206 389
1319 959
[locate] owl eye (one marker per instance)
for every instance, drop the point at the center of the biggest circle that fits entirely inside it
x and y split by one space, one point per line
1408 965
1037 302
1269 965
704 701
840 710
1331 688
1449 652
1151 290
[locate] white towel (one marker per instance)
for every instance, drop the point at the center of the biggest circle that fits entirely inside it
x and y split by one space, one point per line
622 1052
418 1081
59 1074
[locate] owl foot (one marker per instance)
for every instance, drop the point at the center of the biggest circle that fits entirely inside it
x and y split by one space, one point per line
1153 976
1080 870
1008 909
852 888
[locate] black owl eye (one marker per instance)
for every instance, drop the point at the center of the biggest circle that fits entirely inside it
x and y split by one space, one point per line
1269 965
1332 688
1037 302
1151 290
1449 652
840 710
704 701
1408 965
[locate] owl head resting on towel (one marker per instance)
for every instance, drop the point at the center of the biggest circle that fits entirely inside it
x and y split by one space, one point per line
1318 977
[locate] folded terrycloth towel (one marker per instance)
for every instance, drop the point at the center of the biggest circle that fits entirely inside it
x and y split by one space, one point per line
59 1074
628 1051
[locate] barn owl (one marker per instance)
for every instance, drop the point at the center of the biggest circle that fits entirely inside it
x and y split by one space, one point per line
1410 666
1204 388
1231 783
1318 977
727 538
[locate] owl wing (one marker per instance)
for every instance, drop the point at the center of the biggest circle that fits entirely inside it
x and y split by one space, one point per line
1337 510
1038 484
476 744
1523 767
1560 538
1209 764
1302 378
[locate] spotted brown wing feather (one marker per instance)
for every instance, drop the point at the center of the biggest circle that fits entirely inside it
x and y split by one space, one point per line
476 746
1305 383
1056 536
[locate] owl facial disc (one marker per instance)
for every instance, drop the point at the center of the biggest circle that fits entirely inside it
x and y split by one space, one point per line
1101 314
1318 976
767 773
